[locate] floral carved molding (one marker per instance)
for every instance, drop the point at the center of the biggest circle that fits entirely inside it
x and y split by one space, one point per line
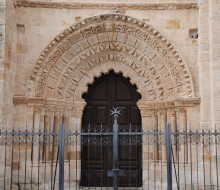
102 43
128 6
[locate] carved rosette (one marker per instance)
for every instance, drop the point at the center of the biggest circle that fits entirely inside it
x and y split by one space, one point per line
110 42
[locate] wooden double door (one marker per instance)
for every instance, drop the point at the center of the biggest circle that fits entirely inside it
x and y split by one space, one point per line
108 91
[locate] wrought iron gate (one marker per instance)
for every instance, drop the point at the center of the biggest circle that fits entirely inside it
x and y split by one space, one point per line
49 160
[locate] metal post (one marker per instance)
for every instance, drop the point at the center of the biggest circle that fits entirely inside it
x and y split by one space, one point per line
169 157
115 154
115 172
61 159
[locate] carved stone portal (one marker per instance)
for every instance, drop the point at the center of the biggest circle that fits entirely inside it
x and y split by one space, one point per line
110 42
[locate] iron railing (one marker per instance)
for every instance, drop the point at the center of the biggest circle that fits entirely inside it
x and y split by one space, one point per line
169 159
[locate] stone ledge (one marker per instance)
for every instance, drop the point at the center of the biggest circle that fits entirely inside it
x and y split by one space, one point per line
128 6
177 102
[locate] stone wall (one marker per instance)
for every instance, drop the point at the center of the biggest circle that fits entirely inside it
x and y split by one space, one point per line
2 43
214 16
7 72
208 58
9 63
2 56
2 81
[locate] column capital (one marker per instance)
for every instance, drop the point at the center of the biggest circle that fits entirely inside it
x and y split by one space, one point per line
148 112
38 108
172 111
58 111
78 109
161 111
49 110
181 110
77 113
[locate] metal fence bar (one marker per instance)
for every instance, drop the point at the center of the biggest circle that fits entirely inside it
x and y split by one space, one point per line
198 169
216 158
76 146
169 158
115 154
12 156
61 159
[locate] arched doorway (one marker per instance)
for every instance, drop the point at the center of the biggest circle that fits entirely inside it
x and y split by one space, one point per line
111 90
97 45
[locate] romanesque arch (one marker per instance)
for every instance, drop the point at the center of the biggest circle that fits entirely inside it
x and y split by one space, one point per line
102 43
95 46
118 42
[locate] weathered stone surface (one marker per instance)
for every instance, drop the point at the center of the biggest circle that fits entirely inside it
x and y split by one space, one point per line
172 24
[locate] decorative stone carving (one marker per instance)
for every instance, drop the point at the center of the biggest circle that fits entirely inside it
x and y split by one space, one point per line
38 108
49 110
148 113
161 112
154 65
181 110
172 111
80 5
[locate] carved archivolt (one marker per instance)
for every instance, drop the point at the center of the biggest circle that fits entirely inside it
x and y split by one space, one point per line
110 42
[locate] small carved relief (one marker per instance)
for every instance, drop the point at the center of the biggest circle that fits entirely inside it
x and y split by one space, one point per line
161 112
49 110
37 108
148 113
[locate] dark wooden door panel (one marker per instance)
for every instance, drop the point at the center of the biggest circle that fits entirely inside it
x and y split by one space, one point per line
111 90
101 114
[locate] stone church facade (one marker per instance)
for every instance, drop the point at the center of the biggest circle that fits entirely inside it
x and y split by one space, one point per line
52 50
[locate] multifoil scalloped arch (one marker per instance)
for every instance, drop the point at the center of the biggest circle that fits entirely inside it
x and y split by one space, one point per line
110 42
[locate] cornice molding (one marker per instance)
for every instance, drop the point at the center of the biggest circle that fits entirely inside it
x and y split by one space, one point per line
127 6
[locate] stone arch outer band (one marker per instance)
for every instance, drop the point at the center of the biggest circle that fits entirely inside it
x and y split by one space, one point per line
110 38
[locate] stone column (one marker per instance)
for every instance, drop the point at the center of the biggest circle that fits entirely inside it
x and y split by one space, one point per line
172 114
47 129
149 149
29 118
57 123
162 121
148 124
183 148
75 125
74 151
66 126
37 114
